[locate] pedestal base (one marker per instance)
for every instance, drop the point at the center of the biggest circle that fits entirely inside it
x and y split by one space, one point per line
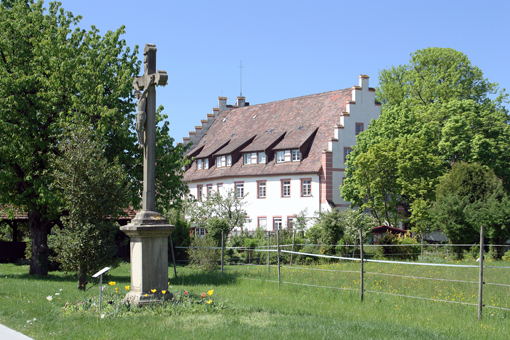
139 299
148 233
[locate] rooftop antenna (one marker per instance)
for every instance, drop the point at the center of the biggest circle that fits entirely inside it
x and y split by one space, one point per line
241 81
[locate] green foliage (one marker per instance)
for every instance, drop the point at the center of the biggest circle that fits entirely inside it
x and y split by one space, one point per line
93 192
224 206
437 110
181 234
470 196
205 259
404 247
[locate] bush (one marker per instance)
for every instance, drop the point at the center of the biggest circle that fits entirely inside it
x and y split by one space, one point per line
506 257
410 251
205 259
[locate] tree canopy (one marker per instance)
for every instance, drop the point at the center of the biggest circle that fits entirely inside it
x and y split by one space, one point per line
437 110
53 75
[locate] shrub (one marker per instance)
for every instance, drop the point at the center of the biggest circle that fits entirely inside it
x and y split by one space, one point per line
205 259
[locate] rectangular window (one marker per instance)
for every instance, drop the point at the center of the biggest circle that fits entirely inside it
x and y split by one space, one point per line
359 128
199 192
219 186
239 190
347 151
285 187
277 223
209 190
253 158
262 223
262 158
261 189
199 232
280 156
247 158
290 220
218 162
206 163
229 160
199 164
306 187
287 156
296 155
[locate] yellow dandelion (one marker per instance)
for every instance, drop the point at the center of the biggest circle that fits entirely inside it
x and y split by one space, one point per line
116 290
145 295
111 283
163 291
210 292
127 287
209 302
153 291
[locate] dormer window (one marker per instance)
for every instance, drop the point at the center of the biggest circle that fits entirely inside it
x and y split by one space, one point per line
229 160
250 158
223 161
206 163
280 156
296 156
199 164
262 158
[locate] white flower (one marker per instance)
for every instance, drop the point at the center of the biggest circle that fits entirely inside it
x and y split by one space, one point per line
29 321
35 319
102 316
57 293
60 289
49 297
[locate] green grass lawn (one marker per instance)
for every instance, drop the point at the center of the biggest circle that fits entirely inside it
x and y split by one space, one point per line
257 308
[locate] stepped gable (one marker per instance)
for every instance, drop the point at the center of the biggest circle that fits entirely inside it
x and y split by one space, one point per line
312 116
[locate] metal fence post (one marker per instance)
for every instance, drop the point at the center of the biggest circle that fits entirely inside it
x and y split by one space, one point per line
293 242
480 283
222 250
278 245
361 258
173 255
268 253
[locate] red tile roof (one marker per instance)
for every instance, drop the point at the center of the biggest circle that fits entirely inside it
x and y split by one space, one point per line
313 112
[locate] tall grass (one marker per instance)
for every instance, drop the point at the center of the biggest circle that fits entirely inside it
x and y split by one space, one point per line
259 308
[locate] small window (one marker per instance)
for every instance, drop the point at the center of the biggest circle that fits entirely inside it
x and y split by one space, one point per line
277 223
296 155
199 192
253 158
359 128
247 158
286 188
209 190
262 223
206 163
262 189
287 156
290 221
262 158
280 156
199 232
239 190
218 162
199 164
347 151
306 187
229 160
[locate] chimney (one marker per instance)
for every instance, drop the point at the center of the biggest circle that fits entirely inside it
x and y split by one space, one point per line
241 101
363 81
222 103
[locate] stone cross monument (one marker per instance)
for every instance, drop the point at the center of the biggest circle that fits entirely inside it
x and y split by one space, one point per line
148 231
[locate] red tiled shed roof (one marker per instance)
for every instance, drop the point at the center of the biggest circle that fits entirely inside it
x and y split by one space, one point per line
317 111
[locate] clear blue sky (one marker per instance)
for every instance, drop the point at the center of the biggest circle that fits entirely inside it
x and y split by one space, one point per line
293 48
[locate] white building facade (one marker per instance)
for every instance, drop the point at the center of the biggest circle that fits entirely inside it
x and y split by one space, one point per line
282 157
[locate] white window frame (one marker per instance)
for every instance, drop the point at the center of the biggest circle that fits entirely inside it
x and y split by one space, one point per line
199 164
277 223
239 190
296 155
286 188
262 187
280 156
229 160
247 158
206 163
288 156
262 158
306 187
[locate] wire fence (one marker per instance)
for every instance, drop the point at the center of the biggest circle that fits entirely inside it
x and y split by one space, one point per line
278 257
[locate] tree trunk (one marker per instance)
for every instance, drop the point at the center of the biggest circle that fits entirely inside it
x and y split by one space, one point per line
39 231
82 277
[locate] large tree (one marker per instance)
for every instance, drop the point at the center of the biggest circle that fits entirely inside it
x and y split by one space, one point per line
53 74
437 110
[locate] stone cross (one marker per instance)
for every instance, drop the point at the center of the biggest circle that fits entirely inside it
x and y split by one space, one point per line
149 231
150 78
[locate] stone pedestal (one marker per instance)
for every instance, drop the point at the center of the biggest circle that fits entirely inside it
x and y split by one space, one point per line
148 233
